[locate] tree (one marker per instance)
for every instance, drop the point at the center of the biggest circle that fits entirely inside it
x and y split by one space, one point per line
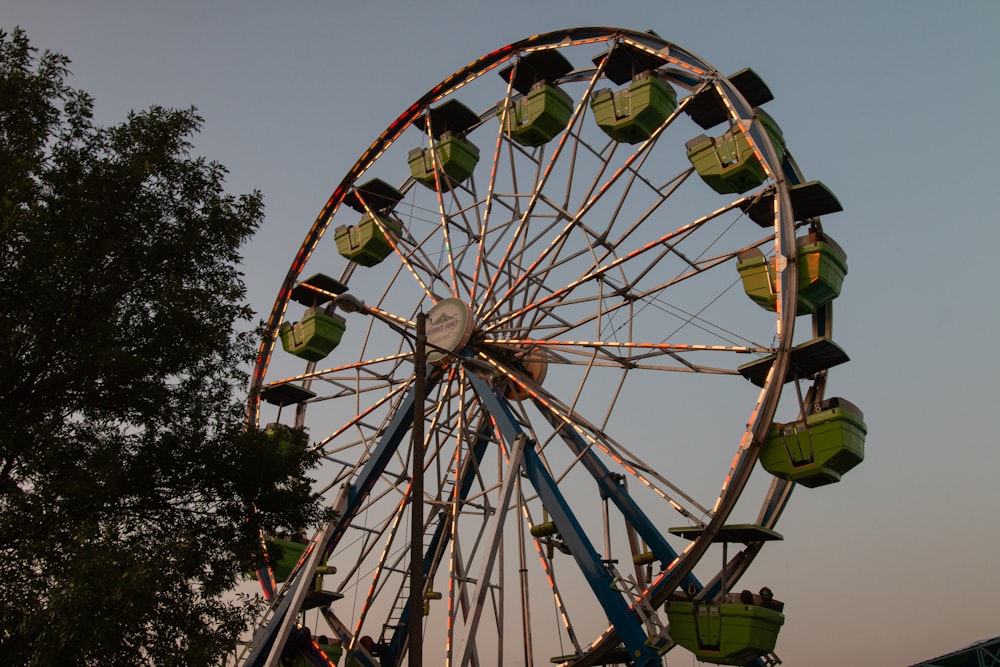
126 471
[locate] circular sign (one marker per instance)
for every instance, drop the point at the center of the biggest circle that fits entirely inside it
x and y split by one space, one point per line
449 326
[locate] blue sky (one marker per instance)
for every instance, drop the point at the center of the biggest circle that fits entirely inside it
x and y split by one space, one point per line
893 109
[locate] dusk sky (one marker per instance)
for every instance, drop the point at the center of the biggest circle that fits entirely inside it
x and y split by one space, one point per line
893 105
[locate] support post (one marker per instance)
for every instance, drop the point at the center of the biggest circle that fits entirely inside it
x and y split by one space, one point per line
416 635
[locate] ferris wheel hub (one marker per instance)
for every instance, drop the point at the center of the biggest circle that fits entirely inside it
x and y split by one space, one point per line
449 326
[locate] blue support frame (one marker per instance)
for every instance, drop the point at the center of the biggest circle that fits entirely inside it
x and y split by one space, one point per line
628 625
355 496
609 488
261 652
600 578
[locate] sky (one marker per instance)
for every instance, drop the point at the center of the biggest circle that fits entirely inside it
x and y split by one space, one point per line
895 107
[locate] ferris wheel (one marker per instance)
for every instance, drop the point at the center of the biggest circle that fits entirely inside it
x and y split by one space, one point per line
546 322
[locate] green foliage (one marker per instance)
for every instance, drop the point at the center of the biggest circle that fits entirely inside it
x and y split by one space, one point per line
125 469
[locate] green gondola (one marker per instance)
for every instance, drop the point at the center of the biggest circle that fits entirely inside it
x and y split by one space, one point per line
819 449
822 267
544 109
367 243
454 156
457 159
539 116
728 633
632 114
314 336
728 164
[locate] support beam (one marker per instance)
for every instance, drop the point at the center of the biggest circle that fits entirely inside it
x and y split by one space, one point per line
599 577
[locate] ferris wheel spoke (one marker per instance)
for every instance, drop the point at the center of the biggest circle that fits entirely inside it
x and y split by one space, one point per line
551 249
392 398
619 354
445 225
594 273
328 373
622 355
669 243
492 548
481 234
629 165
525 214
380 566
546 563
405 257
648 297
419 264
513 267
567 421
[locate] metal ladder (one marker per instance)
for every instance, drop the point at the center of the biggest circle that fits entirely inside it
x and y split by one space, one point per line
658 636
402 601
